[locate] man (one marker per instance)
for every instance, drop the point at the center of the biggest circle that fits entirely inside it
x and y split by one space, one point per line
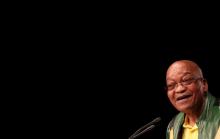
187 90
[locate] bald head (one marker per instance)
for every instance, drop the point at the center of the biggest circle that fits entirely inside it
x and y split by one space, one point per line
183 67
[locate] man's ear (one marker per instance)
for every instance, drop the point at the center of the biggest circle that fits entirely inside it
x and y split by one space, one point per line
205 85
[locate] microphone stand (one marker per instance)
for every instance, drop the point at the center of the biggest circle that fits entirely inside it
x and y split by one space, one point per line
145 128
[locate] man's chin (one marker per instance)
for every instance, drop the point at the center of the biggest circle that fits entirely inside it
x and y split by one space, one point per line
183 108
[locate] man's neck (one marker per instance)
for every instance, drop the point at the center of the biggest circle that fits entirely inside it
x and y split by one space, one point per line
191 119
192 116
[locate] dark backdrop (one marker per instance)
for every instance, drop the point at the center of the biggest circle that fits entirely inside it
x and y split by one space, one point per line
111 92
102 76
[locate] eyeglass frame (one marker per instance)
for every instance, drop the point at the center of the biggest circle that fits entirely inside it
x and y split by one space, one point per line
184 83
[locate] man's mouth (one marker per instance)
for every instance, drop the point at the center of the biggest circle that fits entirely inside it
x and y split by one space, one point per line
183 97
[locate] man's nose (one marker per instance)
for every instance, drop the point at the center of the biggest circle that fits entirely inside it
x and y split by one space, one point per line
180 87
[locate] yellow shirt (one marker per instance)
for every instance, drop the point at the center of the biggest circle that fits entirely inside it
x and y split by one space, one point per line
190 132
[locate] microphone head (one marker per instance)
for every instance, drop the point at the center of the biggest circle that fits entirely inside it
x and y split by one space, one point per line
156 120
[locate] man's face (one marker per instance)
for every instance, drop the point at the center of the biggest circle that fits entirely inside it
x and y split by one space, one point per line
185 87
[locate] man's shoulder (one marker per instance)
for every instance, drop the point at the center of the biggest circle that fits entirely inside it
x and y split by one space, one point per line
177 117
217 103
216 111
214 101
216 116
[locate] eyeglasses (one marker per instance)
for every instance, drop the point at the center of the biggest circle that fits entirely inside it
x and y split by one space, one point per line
184 83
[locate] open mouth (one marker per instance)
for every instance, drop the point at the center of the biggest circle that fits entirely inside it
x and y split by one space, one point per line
183 97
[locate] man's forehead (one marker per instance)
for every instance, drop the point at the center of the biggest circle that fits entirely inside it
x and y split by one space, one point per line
178 68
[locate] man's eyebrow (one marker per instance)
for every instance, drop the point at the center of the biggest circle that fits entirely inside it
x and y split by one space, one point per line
170 80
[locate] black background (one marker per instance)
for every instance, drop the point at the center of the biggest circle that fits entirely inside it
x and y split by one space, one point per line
95 74
108 87
102 92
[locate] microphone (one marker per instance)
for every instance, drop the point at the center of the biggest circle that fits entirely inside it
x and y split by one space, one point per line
149 126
